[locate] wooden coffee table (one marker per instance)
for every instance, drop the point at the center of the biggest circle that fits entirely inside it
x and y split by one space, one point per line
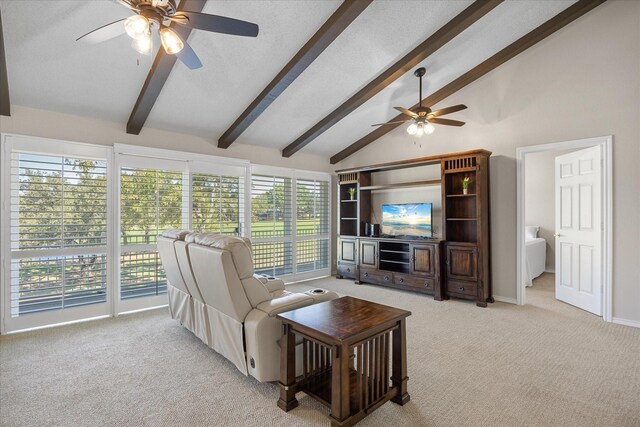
347 344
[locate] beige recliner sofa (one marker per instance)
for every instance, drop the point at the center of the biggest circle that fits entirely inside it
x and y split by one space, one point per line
214 293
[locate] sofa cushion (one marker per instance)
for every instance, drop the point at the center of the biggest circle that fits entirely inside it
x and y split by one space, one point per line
175 234
240 251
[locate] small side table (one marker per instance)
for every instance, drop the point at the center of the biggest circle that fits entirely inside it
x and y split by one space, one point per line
346 346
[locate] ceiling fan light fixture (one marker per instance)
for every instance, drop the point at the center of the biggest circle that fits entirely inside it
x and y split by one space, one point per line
412 129
137 26
428 128
143 45
170 41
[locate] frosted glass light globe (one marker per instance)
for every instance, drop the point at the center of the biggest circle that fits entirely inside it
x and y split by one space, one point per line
412 129
136 26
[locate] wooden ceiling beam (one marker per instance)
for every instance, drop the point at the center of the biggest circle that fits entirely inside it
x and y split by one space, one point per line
5 102
348 11
438 39
160 70
559 21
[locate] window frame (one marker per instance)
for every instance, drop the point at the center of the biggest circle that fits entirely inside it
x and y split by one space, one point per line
50 147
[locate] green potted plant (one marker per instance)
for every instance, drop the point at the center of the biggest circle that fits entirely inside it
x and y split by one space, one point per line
352 193
465 185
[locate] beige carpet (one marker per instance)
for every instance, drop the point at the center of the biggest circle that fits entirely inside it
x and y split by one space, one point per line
543 364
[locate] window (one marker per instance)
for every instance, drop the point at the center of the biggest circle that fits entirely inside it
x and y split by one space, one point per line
271 224
217 203
56 217
151 201
312 225
284 244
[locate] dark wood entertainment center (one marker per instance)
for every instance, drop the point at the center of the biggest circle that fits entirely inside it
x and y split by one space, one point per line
455 265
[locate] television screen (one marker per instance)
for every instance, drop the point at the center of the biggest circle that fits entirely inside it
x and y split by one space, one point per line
411 219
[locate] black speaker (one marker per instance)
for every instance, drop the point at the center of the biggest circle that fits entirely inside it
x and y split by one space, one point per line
367 229
375 230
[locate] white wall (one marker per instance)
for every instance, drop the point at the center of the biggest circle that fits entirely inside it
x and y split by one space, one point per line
583 81
48 124
539 198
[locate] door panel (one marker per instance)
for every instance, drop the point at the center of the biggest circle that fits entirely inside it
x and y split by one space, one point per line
368 253
579 229
423 259
347 251
462 262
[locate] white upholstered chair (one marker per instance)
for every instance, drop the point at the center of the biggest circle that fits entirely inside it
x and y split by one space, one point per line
214 293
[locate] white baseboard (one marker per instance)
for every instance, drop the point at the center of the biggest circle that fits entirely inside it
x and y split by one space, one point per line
626 322
548 270
505 299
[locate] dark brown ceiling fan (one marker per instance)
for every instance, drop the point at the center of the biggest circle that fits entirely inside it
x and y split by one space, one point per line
423 116
157 15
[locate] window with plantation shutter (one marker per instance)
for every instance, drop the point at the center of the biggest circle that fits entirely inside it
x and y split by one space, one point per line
151 201
271 224
58 232
312 225
217 203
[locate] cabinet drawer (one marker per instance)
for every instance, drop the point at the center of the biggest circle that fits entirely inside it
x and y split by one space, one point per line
347 270
371 275
424 283
461 287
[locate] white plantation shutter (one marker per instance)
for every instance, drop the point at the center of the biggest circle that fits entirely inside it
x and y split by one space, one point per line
217 203
151 201
271 224
312 225
58 232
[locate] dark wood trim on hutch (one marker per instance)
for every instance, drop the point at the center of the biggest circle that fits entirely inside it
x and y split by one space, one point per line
446 33
562 19
348 11
458 265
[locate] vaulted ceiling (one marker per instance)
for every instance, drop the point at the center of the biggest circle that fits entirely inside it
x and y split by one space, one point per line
48 69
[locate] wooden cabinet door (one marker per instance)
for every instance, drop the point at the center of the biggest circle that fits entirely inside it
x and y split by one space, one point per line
462 262
423 259
369 253
347 251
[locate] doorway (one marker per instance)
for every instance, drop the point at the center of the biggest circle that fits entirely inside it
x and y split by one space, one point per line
535 234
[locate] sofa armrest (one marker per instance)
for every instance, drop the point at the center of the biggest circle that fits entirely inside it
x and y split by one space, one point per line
287 302
271 283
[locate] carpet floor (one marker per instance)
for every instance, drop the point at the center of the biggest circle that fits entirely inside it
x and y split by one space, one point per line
542 364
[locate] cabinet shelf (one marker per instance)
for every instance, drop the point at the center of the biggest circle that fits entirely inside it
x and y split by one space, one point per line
395 252
349 219
395 262
462 219
461 195
349 200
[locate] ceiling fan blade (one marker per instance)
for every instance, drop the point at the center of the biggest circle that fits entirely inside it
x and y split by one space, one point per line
445 122
407 112
448 110
104 33
127 4
217 24
390 123
189 57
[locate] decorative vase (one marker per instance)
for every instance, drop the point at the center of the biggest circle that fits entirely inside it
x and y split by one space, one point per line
465 190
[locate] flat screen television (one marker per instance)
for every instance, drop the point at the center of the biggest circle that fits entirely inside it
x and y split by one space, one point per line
409 219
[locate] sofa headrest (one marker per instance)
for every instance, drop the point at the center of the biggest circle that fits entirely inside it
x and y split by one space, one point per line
240 250
175 234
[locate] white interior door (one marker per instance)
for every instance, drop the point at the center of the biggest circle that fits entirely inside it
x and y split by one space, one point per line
578 188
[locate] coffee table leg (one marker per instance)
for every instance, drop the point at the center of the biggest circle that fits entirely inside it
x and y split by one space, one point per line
287 399
399 376
340 409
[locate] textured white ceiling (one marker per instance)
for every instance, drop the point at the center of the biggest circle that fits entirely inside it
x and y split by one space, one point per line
49 70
